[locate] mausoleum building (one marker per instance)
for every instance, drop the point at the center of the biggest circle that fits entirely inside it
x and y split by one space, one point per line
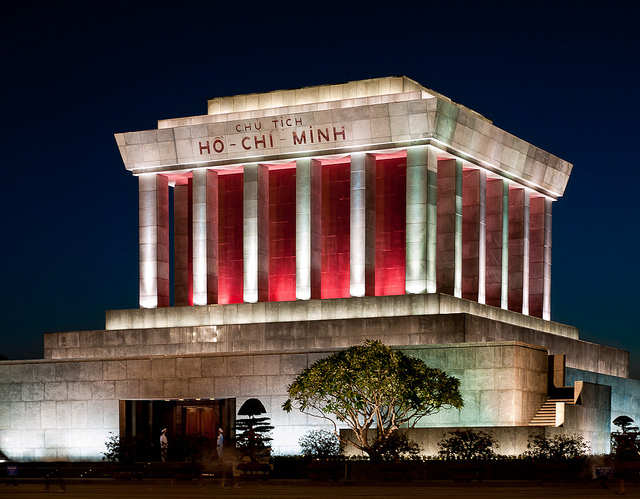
302 222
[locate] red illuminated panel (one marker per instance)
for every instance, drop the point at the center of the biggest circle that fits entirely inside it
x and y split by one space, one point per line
445 243
494 242
391 179
536 255
516 247
336 184
182 268
471 187
282 234
230 263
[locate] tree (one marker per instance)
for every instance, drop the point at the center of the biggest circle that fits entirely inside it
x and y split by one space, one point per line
624 422
253 433
372 387
625 444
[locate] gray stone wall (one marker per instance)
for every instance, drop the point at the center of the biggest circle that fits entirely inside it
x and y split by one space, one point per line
306 335
590 418
66 409
579 354
512 440
625 393
367 307
56 410
502 384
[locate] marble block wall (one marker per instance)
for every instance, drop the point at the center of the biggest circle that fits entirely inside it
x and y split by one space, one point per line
66 409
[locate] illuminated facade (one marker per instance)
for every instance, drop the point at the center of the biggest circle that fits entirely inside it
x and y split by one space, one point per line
304 221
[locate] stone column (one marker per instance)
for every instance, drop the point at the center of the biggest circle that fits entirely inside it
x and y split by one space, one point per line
256 233
182 245
363 223
421 219
474 239
308 228
519 250
153 193
457 283
205 237
449 243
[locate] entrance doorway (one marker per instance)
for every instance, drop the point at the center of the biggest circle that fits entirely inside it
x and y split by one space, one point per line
145 419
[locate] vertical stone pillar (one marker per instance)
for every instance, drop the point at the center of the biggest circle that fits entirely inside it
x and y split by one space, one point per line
421 219
205 236
182 245
474 240
362 225
153 191
519 250
308 228
457 283
256 233
449 241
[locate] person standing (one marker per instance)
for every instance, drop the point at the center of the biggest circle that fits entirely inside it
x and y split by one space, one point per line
220 444
164 445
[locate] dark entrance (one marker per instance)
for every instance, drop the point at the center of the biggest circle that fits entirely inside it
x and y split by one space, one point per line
181 417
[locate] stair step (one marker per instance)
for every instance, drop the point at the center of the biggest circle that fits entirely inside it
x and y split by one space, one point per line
546 415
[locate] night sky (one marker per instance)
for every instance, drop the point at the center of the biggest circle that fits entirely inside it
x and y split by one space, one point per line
562 75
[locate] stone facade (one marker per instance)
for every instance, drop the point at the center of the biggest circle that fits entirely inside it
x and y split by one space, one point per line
305 221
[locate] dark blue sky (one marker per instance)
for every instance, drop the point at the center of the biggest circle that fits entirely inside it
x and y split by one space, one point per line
563 75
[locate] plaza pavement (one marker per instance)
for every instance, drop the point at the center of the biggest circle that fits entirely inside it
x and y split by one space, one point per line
159 489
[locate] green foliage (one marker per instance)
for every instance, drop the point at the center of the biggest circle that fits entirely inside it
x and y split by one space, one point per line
625 446
625 443
320 444
557 448
467 444
127 449
624 423
253 437
372 387
394 446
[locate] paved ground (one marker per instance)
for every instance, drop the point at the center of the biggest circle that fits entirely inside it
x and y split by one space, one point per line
272 490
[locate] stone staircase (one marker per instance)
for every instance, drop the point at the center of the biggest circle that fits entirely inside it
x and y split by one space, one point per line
551 413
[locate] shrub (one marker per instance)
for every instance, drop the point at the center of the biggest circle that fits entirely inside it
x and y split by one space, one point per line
396 445
467 444
557 448
127 449
320 444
